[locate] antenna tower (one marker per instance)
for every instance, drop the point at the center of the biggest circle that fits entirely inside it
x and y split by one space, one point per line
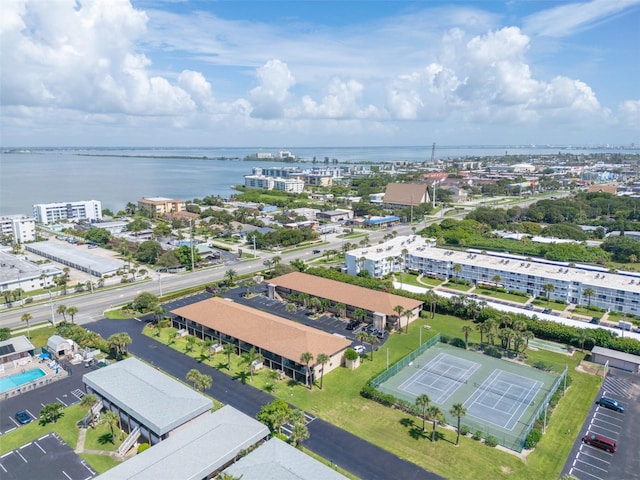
433 153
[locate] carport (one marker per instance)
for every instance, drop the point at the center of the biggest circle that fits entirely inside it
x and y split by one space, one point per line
616 359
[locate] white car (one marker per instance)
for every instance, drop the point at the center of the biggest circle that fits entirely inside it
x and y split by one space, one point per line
359 349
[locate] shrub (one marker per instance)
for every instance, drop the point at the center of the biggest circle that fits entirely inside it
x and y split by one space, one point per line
491 441
542 365
165 323
477 435
492 351
351 354
464 430
457 342
532 439
445 338
143 446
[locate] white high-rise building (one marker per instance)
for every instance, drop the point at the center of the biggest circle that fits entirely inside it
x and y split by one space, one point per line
20 228
46 213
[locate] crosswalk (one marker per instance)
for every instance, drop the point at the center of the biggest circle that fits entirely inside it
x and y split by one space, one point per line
618 386
78 393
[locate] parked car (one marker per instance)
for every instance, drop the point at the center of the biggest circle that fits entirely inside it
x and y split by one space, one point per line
359 349
547 311
595 320
23 417
611 404
352 325
315 252
372 330
601 442
381 334
528 307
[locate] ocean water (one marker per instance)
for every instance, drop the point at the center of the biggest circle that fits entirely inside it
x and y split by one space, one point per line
116 176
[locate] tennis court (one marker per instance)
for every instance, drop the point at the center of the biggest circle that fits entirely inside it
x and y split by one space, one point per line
502 398
439 378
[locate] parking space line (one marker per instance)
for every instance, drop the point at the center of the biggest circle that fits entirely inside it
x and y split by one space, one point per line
599 430
62 402
65 474
587 473
595 458
32 415
2 467
6 454
20 455
38 445
607 419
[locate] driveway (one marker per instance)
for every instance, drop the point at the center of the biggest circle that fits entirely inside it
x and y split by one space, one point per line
352 453
590 463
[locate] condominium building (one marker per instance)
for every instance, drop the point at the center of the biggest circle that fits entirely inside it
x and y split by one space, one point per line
576 284
258 181
159 206
290 185
19 228
48 213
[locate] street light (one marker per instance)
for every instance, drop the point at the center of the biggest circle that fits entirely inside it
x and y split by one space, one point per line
53 318
160 282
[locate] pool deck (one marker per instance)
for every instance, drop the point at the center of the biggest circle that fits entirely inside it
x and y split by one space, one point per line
46 365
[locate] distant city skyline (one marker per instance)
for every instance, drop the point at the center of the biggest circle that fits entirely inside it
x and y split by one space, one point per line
319 73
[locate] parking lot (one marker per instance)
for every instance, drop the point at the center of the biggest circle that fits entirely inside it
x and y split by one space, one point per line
590 463
67 391
327 323
47 457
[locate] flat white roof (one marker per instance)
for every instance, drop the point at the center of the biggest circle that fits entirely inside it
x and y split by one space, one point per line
277 460
148 395
196 451
626 357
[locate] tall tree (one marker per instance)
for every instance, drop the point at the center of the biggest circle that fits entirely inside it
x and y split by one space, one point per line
228 349
230 275
548 288
588 292
466 329
435 415
199 380
72 311
51 412
306 358
458 410
322 359
399 309
26 317
250 359
112 419
422 402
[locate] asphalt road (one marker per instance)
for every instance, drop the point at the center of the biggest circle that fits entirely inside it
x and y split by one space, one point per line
352 453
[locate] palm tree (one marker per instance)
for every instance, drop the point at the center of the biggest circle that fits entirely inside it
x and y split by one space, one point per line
399 309
407 314
422 402
466 329
528 335
200 381
589 292
581 337
496 279
435 415
482 328
112 419
362 336
432 298
299 432
457 268
118 343
72 311
25 318
62 310
458 410
548 288
250 358
290 308
228 350
306 358
230 275
371 340
359 314
341 308
322 359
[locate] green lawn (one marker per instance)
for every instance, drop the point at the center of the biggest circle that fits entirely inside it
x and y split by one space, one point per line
432 282
100 463
587 313
408 279
503 295
99 438
341 404
456 286
551 304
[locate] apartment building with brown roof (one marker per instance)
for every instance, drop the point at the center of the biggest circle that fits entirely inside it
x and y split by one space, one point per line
281 342
380 307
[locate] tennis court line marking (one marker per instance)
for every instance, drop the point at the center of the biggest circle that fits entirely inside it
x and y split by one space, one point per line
525 404
484 390
438 360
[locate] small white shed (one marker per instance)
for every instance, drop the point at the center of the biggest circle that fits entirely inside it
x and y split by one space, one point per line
61 347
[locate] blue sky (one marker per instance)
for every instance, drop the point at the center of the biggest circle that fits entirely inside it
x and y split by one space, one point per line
319 73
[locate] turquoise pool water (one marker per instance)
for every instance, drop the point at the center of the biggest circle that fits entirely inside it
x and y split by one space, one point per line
17 379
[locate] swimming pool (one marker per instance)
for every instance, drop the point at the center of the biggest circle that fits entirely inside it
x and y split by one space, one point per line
17 379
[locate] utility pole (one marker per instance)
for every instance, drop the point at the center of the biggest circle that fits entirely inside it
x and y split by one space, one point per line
193 268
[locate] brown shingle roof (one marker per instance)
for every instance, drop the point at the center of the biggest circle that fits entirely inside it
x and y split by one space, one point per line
359 297
264 330
406 193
